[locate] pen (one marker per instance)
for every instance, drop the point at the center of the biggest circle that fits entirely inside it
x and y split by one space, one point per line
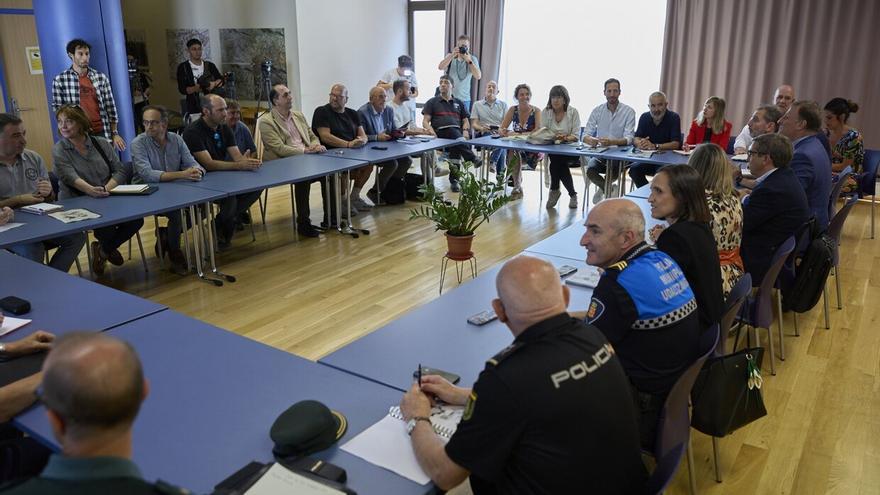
420 376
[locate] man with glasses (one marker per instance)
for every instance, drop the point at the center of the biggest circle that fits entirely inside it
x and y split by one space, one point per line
764 120
776 207
89 89
782 98
486 117
162 156
338 126
659 129
212 144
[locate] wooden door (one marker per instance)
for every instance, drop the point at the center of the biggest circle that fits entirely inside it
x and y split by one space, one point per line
16 33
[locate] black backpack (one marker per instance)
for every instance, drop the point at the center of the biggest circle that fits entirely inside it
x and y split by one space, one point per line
811 274
394 192
413 183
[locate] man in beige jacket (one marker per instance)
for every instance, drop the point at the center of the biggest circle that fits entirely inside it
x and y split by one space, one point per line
284 132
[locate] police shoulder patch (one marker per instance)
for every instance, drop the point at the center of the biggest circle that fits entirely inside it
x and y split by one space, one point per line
469 407
501 356
595 310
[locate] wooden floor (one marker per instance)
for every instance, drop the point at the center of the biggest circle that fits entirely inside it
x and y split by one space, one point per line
822 434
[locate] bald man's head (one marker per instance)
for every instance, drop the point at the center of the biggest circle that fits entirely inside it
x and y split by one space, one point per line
529 291
377 98
614 226
92 382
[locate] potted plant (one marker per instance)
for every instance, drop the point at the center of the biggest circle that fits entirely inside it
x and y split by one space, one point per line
478 199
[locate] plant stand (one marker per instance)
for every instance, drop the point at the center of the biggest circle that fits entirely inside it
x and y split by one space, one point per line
460 261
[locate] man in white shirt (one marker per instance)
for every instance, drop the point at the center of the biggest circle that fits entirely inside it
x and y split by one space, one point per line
783 98
486 117
610 124
405 71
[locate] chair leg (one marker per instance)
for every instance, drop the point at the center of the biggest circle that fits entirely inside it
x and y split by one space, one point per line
692 480
264 205
89 256
716 455
772 352
141 249
158 242
837 283
78 267
781 332
797 332
129 249
872 216
825 300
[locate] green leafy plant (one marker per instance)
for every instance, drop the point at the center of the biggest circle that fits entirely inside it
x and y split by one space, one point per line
478 200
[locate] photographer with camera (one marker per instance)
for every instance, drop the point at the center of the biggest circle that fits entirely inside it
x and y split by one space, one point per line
195 76
405 70
461 66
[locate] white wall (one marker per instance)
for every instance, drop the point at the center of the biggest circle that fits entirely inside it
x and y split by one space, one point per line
347 41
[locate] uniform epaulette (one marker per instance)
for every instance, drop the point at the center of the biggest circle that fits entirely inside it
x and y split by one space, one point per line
165 488
504 354
619 266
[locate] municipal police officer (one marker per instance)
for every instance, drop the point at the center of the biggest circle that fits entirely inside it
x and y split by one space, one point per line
551 413
92 387
642 303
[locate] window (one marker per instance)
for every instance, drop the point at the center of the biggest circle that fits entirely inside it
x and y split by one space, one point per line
579 45
427 43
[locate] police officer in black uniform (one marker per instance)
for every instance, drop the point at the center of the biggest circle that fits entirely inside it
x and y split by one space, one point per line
92 387
643 304
551 413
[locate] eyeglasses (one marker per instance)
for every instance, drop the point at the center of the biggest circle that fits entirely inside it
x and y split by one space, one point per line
339 97
753 152
150 123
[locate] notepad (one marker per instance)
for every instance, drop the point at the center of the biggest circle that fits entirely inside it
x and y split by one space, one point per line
387 445
588 278
11 324
130 189
41 208
75 215
683 152
9 226
279 479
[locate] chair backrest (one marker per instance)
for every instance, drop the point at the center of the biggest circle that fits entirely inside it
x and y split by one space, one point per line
735 299
673 426
762 311
835 191
730 142
868 177
665 470
835 226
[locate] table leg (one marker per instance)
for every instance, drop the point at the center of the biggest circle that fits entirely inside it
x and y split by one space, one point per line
210 225
182 213
198 236
347 229
292 213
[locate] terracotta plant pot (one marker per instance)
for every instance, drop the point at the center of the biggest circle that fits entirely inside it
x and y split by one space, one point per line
459 247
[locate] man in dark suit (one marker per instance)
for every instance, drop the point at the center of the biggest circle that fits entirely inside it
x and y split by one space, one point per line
377 120
777 206
811 162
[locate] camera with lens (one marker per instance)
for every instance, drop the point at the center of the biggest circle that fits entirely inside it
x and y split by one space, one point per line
462 50
266 68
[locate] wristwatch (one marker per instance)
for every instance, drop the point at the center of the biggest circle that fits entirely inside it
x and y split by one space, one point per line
657 147
411 424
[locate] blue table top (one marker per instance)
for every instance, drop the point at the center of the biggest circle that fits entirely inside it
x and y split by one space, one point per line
556 149
113 209
438 335
566 242
61 303
625 153
214 395
396 149
273 173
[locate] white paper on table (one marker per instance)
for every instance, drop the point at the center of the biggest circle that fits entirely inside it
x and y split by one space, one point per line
10 324
387 445
75 215
278 479
742 157
9 226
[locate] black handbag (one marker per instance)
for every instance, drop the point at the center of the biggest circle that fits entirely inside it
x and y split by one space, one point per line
727 393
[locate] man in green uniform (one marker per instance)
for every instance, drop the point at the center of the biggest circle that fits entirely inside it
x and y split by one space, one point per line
93 386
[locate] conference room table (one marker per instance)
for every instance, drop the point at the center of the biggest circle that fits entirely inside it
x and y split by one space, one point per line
60 303
566 242
438 335
113 209
214 396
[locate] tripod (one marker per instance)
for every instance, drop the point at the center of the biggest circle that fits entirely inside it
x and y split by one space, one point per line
265 87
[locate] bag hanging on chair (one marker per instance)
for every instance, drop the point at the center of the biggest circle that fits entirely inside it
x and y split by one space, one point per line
727 393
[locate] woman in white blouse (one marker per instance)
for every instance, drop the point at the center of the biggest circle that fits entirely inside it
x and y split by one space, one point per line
563 120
